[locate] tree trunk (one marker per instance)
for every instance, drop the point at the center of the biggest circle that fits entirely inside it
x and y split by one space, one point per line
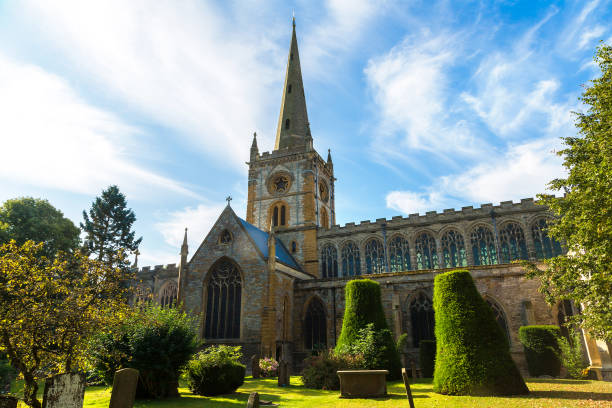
30 390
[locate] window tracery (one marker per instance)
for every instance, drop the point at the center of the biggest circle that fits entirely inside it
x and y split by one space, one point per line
421 319
483 246
500 317
425 248
223 302
168 295
399 254
453 249
545 246
324 218
374 256
329 262
512 243
350 260
315 326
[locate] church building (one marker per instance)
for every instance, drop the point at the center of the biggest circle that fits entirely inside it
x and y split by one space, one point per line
272 280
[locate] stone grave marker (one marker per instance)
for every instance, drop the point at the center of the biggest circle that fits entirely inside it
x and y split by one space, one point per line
255 366
64 391
124 388
253 400
407 385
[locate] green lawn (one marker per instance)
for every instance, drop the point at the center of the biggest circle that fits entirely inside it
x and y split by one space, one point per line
544 393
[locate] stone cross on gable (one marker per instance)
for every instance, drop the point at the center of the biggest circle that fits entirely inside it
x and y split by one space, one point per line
228 199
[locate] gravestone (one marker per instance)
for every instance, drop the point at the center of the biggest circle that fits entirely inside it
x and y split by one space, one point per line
64 391
253 400
283 373
124 388
7 401
407 385
255 366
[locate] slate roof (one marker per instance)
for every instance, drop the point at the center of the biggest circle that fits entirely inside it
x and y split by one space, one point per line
261 240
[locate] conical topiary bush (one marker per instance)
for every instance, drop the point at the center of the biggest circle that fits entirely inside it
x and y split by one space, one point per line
364 306
472 356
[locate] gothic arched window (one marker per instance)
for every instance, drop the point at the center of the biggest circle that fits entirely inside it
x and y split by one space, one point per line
453 249
329 262
421 319
374 256
280 215
223 300
512 243
500 317
351 265
425 248
399 254
315 326
168 294
324 218
545 246
483 246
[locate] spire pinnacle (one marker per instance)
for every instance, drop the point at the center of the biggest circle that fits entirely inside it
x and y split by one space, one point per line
329 160
185 247
293 127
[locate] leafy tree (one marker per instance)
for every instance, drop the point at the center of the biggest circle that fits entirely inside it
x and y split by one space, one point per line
50 309
584 220
109 228
36 219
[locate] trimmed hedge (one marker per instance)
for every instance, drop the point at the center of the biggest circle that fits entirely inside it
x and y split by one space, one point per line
472 356
541 349
320 371
215 371
364 306
427 357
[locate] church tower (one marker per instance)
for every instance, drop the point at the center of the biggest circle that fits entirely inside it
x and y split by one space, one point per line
291 189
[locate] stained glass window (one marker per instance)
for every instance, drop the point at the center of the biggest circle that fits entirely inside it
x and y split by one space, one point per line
315 326
224 291
425 248
350 260
512 243
329 262
483 246
422 319
453 249
374 256
500 317
168 294
399 254
545 246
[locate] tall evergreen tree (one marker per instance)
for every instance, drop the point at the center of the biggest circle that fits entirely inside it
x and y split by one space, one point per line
109 228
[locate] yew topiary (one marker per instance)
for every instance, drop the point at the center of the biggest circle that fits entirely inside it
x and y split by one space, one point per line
364 311
541 349
472 356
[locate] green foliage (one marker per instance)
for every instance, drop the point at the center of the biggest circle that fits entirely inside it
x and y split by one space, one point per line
472 353
584 214
364 307
268 367
427 357
371 346
49 309
320 371
571 355
156 341
215 371
7 375
401 342
28 218
541 349
108 229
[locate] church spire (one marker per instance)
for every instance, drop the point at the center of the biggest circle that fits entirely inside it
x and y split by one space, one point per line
293 127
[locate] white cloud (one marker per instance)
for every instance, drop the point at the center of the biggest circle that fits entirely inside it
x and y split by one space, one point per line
587 37
52 138
198 220
523 171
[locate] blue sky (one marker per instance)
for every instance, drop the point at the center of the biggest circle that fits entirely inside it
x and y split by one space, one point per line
425 105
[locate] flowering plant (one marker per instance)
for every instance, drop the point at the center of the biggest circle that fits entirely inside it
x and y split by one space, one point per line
269 367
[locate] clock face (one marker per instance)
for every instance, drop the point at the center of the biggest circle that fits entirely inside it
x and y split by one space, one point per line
323 191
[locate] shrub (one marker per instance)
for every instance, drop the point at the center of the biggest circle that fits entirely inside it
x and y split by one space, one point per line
541 349
427 357
400 344
320 371
158 342
268 367
571 355
216 370
363 307
472 353
7 375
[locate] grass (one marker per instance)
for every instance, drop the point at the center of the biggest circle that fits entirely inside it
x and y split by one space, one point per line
544 393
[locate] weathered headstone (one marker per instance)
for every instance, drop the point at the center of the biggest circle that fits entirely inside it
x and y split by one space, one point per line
64 391
8 401
283 373
124 388
253 400
255 366
407 385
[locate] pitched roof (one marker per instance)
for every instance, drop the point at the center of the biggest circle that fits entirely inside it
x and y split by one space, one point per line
260 238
